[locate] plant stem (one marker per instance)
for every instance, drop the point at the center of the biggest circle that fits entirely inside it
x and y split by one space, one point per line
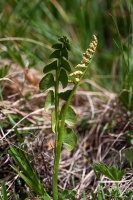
55 168
57 104
59 139
59 145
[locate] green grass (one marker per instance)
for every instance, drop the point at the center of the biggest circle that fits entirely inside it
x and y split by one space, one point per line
45 21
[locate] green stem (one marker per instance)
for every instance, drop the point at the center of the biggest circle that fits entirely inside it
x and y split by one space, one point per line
59 145
59 140
57 104
118 189
55 168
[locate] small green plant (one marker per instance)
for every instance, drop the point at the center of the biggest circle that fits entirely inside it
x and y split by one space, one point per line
58 71
66 115
114 174
67 194
28 175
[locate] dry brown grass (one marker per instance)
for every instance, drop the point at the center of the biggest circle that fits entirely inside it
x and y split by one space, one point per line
100 135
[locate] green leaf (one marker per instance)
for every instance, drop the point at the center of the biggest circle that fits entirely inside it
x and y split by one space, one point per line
4 71
4 192
113 173
22 160
69 139
65 95
49 100
100 193
65 42
44 197
46 82
116 172
50 67
28 174
70 116
36 186
12 122
65 65
64 53
53 121
57 46
67 194
63 78
55 54
63 39
68 47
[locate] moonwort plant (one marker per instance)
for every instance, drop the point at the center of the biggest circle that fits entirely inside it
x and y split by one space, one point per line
66 114
58 71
